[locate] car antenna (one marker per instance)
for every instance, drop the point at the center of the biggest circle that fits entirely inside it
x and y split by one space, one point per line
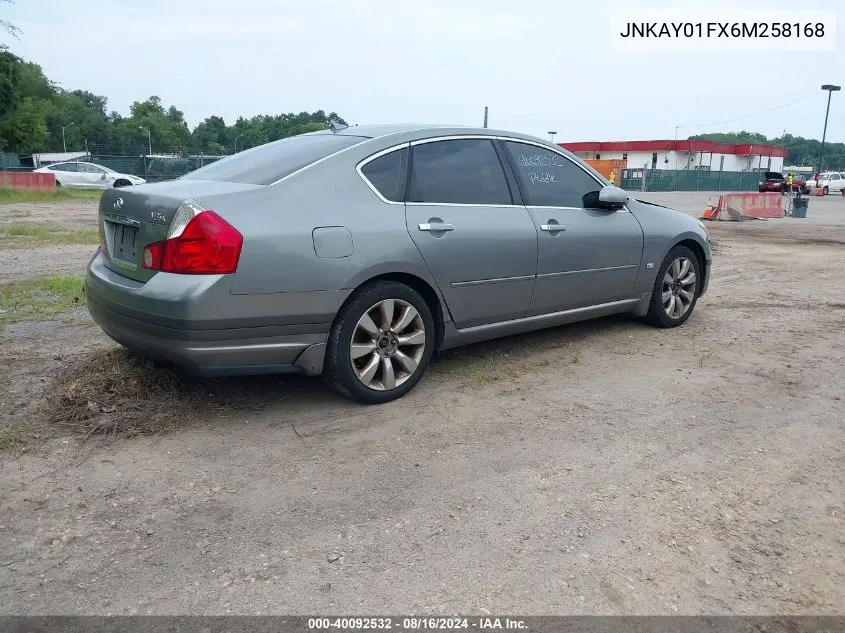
337 125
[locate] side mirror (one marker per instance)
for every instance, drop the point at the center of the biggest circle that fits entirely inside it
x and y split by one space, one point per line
613 197
608 197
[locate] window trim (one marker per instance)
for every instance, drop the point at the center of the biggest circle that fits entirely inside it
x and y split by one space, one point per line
363 163
490 137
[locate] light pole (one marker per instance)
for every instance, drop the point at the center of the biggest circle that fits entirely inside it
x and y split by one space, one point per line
830 90
64 143
236 142
552 137
149 137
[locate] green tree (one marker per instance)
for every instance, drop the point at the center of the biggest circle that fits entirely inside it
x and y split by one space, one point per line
24 129
10 68
34 111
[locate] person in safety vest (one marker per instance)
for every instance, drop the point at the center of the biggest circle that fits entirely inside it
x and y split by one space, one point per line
789 180
613 177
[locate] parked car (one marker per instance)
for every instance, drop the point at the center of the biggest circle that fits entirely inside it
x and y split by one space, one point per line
88 175
829 181
776 181
357 252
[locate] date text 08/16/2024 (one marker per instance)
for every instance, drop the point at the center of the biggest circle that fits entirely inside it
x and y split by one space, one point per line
416 624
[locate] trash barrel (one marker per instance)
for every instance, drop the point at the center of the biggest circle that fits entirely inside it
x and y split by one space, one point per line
799 207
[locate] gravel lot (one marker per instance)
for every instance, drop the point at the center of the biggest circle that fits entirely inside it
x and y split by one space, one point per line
602 468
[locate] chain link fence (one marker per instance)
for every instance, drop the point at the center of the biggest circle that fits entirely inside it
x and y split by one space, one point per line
154 168
689 180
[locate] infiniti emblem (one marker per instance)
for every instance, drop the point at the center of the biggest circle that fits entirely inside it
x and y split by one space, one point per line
118 204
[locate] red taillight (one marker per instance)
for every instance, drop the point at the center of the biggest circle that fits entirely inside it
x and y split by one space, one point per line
207 246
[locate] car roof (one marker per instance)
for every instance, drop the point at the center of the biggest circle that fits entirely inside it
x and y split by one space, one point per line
422 130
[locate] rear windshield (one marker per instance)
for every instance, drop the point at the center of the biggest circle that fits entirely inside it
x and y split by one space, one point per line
265 164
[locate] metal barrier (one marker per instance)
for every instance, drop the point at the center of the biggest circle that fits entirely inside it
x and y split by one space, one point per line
27 181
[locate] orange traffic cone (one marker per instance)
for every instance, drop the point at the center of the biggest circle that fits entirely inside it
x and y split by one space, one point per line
710 212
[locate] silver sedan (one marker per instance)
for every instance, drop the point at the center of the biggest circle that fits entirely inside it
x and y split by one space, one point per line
356 252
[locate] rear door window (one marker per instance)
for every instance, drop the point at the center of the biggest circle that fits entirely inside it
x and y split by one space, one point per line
463 171
265 164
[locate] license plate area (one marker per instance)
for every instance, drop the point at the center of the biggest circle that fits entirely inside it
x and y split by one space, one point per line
122 237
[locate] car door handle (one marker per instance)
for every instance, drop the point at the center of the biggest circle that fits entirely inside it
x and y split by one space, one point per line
436 226
552 228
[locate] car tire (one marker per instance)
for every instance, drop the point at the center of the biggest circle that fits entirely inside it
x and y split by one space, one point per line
375 321
122 183
825 190
672 288
58 185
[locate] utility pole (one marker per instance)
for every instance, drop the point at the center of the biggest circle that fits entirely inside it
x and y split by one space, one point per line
149 137
552 137
485 116
830 90
64 143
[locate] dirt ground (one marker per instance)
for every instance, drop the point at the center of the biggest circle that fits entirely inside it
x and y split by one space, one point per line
602 468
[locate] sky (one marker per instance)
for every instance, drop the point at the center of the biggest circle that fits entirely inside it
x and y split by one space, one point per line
539 65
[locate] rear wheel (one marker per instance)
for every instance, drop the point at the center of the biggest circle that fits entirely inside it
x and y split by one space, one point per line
676 289
58 184
825 190
380 344
122 183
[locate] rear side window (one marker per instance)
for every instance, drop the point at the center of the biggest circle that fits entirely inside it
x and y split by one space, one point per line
387 174
265 164
65 167
466 171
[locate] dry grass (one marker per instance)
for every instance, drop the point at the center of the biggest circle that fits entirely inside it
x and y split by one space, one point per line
113 392
63 194
14 236
17 437
39 299
508 358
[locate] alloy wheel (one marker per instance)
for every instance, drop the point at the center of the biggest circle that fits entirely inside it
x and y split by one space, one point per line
679 288
387 344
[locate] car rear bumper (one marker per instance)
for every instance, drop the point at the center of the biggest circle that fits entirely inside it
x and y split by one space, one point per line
170 324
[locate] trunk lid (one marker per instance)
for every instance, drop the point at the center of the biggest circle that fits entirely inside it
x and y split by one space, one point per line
130 218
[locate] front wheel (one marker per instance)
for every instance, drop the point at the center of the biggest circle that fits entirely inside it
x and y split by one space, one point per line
825 190
380 344
675 290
